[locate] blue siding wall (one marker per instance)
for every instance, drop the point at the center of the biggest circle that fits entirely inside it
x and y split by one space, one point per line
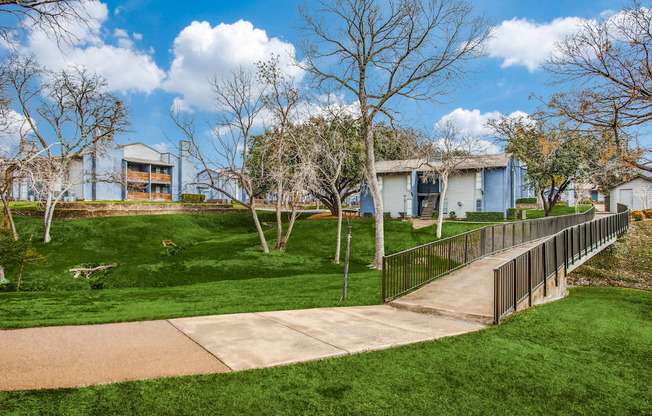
111 163
366 201
496 191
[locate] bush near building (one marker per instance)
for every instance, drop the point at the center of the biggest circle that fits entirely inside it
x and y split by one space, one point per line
528 200
193 198
638 215
485 216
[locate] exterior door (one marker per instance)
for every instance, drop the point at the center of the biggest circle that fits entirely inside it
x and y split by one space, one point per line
627 197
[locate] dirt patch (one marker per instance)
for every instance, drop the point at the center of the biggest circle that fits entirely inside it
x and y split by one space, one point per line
328 215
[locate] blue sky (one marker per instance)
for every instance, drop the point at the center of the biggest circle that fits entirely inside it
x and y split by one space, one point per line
156 53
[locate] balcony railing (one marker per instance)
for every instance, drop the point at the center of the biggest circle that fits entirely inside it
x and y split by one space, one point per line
137 176
161 177
161 197
137 196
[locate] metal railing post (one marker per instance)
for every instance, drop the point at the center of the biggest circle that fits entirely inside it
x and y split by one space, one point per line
497 297
529 275
466 247
515 291
545 269
383 290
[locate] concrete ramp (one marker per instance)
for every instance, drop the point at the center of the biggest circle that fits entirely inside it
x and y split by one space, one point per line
465 294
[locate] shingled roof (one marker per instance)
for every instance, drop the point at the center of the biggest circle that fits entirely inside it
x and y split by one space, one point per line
475 162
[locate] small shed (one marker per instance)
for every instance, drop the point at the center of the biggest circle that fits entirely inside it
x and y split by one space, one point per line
636 193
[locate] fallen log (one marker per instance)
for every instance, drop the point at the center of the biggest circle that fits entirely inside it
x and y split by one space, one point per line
88 271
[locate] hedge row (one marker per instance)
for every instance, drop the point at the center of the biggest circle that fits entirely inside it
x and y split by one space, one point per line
512 213
193 198
485 216
528 200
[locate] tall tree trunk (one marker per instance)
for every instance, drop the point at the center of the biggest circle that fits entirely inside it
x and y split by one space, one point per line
442 196
336 260
279 218
2 273
293 217
9 215
47 219
372 180
261 234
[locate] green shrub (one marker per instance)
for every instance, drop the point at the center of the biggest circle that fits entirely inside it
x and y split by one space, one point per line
401 215
485 216
512 213
367 215
528 200
435 214
638 215
452 215
387 215
193 198
648 213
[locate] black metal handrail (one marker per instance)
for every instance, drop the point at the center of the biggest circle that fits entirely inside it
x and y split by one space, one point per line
418 266
517 279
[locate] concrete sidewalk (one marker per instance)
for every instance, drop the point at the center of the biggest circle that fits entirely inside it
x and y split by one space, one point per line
75 356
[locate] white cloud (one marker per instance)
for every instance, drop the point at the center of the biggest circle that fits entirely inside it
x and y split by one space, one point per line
162 147
527 43
202 52
473 121
13 126
137 36
125 69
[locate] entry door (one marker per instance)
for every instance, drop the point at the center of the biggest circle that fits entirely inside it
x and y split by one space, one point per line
627 197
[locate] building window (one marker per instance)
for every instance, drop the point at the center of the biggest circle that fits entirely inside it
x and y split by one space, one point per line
478 180
445 205
478 205
409 183
380 183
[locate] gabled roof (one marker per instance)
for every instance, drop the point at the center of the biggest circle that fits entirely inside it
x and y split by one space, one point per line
471 163
638 176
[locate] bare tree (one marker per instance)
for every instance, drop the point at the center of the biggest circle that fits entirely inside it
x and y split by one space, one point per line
644 194
68 113
384 51
223 154
451 151
53 17
328 151
604 70
280 101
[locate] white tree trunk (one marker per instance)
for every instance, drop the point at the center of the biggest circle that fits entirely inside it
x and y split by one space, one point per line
47 219
279 223
261 235
338 242
372 180
442 196
293 217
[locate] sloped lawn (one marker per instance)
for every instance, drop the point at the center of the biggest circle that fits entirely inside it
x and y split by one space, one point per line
217 267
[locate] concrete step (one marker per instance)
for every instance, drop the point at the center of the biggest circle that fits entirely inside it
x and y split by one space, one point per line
444 313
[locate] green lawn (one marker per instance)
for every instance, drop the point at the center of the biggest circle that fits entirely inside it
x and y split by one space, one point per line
556 210
221 269
588 354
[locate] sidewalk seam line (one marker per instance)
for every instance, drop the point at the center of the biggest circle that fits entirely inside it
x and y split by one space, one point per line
198 344
384 323
308 335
